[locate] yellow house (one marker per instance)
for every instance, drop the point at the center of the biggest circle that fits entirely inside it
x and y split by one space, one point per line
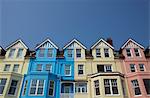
105 80
12 69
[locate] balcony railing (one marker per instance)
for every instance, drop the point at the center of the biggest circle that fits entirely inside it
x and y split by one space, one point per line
67 95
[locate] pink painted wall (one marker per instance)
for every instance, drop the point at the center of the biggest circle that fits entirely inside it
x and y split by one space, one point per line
139 75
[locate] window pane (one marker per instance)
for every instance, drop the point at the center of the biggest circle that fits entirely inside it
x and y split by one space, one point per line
7 67
106 52
49 67
39 67
100 68
51 88
50 53
147 85
128 52
132 67
141 67
13 87
2 85
98 54
19 54
32 91
67 70
80 69
78 52
16 67
69 52
136 50
11 53
41 52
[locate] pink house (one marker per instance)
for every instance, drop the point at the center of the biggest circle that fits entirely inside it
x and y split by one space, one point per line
136 68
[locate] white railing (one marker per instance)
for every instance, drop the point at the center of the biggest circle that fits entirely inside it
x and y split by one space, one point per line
67 95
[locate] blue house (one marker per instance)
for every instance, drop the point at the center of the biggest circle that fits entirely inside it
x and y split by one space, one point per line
43 77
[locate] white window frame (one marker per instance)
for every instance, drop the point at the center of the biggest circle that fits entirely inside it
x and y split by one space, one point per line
69 52
51 87
16 69
98 52
78 86
37 67
25 88
50 53
11 53
50 68
13 87
36 88
111 86
80 69
78 52
96 86
143 67
8 68
134 67
135 85
138 52
3 85
18 54
107 67
67 70
106 52
43 52
130 53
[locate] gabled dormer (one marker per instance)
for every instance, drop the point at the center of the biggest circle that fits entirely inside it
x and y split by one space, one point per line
132 50
74 49
102 50
46 50
16 50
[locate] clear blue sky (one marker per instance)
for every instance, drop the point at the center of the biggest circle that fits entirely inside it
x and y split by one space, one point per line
62 20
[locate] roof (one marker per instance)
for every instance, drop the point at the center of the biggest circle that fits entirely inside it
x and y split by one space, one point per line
15 42
101 40
72 41
47 40
133 42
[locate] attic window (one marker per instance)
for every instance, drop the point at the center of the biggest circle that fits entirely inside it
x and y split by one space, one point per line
11 53
128 51
136 50
41 52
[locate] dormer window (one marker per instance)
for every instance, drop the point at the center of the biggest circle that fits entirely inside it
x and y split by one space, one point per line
137 52
106 52
98 53
19 54
11 53
50 53
78 53
41 52
69 52
128 51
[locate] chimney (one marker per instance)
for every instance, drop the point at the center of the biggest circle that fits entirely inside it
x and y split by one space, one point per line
110 41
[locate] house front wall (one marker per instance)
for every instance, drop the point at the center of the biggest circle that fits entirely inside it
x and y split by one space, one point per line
102 88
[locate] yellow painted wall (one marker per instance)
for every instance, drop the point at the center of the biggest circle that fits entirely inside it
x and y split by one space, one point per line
23 67
102 89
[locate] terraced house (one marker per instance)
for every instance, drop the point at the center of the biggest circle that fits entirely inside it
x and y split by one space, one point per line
43 78
13 66
74 71
136 68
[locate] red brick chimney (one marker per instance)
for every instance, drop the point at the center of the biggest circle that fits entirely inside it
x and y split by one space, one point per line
110 41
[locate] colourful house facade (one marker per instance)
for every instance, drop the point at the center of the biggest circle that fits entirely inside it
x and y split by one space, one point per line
43 78
136 68
13 66
74 71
